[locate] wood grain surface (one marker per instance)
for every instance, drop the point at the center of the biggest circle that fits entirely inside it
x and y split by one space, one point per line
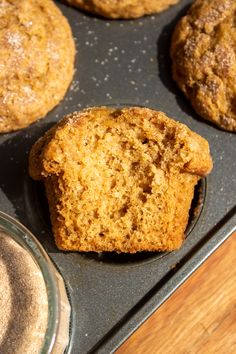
200 317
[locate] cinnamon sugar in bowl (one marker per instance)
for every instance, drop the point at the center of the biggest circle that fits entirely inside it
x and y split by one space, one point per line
34 308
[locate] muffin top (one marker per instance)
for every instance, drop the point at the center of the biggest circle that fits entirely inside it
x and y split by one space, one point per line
204 60
36 60
123 8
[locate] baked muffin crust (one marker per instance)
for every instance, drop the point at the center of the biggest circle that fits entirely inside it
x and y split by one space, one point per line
123 8
203 53
36 61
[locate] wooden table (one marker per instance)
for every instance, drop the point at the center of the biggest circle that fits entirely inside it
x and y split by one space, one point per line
200 317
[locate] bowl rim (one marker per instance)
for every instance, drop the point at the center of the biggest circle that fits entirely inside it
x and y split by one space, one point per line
28 241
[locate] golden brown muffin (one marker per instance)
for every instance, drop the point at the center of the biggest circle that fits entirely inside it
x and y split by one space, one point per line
204 60
119 180
122 8
36 60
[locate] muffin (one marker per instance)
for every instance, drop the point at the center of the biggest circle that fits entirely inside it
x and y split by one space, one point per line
36 61
119 180
125 9
203 53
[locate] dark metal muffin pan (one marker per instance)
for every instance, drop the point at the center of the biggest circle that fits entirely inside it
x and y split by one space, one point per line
122 63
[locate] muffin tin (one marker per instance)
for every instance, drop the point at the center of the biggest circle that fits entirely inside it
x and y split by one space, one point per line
122 63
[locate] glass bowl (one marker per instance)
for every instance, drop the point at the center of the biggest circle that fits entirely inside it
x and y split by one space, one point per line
57 333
